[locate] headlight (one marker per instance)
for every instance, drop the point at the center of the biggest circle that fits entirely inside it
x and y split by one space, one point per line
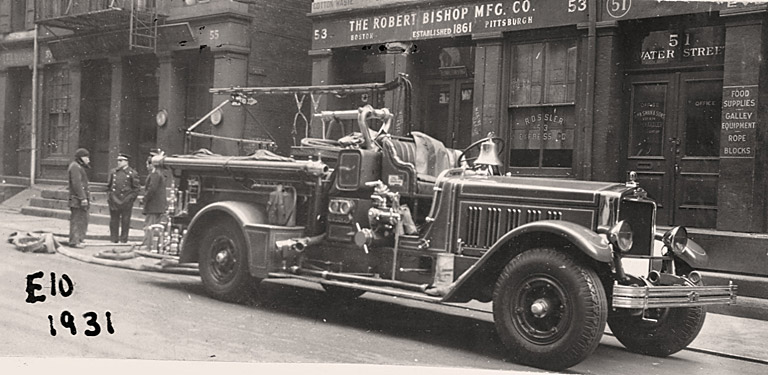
676 239
620 236
341 206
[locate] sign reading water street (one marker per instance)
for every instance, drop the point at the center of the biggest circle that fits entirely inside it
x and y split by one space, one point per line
739 126
427 22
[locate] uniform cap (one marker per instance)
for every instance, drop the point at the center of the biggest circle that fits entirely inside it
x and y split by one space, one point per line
123 156
81 152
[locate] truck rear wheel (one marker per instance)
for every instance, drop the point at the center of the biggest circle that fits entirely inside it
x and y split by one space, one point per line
659 332
549 310
224 263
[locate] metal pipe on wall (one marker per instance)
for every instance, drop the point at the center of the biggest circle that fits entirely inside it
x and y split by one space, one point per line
33 124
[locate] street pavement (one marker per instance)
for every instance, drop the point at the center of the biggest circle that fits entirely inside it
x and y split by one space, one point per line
722 334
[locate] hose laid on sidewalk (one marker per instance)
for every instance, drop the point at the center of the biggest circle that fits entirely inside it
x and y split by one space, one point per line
120 264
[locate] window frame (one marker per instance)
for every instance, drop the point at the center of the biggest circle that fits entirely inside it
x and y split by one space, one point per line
507 97
58 102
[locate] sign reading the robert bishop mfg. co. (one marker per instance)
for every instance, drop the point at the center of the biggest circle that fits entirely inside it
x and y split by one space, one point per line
427 22
739 122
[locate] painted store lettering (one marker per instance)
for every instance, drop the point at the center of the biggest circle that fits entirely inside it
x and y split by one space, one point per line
737 151
739 103
738 125
737 137
657 55
486 10
703 51
394 21
455 14
546 117
358 25
504 22
738 115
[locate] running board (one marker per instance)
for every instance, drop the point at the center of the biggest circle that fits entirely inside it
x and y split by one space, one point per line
389 291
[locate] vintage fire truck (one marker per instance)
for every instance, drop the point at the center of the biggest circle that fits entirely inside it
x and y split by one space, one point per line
407 217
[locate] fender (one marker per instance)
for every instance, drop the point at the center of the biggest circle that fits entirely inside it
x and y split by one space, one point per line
243 212
590 243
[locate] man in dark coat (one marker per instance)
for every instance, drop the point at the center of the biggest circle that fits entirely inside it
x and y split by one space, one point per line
79 197
122 189
155 201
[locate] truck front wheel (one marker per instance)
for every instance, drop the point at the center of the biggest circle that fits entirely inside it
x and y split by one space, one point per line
658 332
549 309
224 263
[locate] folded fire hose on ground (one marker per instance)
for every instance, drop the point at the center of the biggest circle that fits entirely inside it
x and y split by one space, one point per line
34 242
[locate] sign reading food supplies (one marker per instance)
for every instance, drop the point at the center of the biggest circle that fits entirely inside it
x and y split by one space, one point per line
427 22
738 132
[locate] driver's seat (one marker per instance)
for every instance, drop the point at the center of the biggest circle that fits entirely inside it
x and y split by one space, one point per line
410 166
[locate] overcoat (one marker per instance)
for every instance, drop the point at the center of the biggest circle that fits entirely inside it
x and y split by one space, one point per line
155 201
78 185
123 187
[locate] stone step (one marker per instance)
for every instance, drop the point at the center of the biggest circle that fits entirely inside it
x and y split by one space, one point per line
63 194
137 222
99 207
8 190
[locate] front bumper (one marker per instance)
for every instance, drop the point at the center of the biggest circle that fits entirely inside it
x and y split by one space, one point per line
652 297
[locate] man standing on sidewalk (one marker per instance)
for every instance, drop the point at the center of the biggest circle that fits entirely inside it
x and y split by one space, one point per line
155 202
79 197
122 190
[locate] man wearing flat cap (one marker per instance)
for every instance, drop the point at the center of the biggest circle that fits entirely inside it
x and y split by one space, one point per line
122 189
79 197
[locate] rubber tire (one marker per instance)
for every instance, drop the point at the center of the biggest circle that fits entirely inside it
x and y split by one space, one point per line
676 329
581 322
342 293
239 285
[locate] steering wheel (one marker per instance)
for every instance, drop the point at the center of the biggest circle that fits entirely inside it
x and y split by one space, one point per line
476 144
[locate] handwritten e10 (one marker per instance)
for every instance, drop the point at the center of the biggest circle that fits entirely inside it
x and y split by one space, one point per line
65 287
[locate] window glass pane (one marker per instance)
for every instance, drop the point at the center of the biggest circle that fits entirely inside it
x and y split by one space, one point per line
547 131
527 69
56 139
702 118
648 119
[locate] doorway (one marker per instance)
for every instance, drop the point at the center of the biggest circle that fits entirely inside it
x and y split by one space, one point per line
18 123
448 115
674 137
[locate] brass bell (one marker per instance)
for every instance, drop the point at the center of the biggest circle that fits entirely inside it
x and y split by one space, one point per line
489 154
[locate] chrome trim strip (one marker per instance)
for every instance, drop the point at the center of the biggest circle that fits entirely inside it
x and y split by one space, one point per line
650 297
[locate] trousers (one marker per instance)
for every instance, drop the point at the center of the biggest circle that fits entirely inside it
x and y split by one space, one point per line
149 220
120 223
78 224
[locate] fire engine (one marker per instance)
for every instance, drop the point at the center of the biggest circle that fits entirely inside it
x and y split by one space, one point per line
405 216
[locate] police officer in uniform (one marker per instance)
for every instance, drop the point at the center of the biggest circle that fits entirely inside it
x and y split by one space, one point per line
122 189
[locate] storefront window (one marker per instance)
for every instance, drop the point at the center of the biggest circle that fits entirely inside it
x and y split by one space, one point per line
542 96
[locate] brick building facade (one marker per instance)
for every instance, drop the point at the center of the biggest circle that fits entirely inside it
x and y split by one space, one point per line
109 81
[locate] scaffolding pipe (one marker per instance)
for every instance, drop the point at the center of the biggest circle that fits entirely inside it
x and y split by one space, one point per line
33 125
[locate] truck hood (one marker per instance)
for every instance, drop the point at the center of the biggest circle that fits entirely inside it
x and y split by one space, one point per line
537 189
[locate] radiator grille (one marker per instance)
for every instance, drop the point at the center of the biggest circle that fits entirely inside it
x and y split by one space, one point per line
640 216
484 225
